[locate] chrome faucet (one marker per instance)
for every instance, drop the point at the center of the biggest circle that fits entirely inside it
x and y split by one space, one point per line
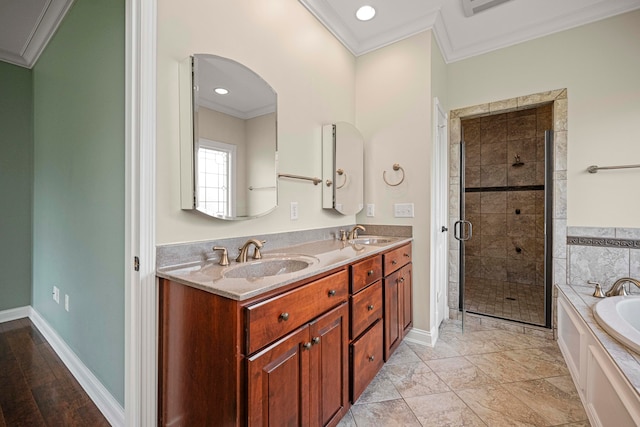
353 234
242 256
618 287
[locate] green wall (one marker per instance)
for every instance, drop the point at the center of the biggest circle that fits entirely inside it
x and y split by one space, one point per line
16 154
79 168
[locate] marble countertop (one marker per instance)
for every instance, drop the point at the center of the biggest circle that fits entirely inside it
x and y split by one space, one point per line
628 361
324 254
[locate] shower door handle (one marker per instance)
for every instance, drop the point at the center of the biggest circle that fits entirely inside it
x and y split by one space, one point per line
460 225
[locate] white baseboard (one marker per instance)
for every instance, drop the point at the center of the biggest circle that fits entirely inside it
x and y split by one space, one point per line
423 337
14 314
106 403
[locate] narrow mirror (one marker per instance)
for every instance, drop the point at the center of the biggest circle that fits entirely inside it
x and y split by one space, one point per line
228 139
342 168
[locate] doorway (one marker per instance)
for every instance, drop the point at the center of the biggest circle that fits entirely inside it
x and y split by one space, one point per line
506 190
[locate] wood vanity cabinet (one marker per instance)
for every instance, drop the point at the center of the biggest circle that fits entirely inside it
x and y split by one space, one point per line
398 316
278 359
366 347
294 356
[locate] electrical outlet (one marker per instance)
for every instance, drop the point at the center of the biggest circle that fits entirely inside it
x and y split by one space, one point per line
66 302
403 210
371 209
294 210
56 294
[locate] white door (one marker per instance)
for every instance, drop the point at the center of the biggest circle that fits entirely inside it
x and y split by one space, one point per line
439 215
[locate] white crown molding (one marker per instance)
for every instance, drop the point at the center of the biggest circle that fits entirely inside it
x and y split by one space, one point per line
106 403
237 113
419 25
41 35
564 22
444 30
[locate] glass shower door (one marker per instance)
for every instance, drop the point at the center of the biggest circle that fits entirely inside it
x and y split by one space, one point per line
462 231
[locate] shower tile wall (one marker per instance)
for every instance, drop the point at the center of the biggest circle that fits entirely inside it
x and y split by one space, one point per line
505 257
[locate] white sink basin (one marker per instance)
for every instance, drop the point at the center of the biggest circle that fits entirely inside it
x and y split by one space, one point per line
373 240
620 317
268 267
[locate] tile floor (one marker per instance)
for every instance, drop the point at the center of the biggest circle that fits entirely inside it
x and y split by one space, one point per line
484 377
514 301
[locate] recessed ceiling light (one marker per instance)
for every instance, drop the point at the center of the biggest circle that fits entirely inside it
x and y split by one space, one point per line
365 13
221 91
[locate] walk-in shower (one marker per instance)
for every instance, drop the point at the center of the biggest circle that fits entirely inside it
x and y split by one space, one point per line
506 195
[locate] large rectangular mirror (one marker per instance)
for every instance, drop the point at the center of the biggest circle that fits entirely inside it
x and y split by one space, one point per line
342 168
228 139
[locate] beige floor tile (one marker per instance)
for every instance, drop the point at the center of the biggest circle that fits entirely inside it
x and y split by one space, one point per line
440 351
537 388
564 383
415 379
389 413
347 421
380 389
403 354
444 409
518 365
549 401
466 378
496 406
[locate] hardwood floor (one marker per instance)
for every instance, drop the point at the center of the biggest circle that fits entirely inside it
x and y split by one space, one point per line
36 389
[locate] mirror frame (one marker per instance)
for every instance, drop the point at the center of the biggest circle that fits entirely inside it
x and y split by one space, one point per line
189 141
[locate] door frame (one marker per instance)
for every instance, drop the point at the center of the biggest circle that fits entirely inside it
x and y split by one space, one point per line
559 99
439 214
140 281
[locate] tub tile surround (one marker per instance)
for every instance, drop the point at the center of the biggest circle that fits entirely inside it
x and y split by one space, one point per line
515 106
602 254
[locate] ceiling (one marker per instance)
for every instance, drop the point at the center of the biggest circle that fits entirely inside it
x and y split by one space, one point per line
458 36
26 26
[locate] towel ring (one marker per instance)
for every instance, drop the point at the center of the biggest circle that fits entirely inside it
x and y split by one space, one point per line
342 172
396 167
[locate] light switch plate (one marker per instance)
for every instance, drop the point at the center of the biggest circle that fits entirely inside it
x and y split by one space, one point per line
371 209
403 210
294 210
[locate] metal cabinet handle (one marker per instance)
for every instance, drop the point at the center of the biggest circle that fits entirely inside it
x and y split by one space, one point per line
370 307
394 262
307 345
401 280
406 255
370 273
284 316
316 340
332 292
371 358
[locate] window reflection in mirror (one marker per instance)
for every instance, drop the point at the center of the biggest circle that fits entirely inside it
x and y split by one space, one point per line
234 140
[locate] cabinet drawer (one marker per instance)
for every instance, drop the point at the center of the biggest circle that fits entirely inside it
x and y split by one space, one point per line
366 307
365 272
269 320
396 258
366 359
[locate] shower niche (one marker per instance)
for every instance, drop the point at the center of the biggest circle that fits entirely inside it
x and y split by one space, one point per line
505 196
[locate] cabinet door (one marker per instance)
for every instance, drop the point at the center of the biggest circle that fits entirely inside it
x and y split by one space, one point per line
329 367
278 382
392 330
404 295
